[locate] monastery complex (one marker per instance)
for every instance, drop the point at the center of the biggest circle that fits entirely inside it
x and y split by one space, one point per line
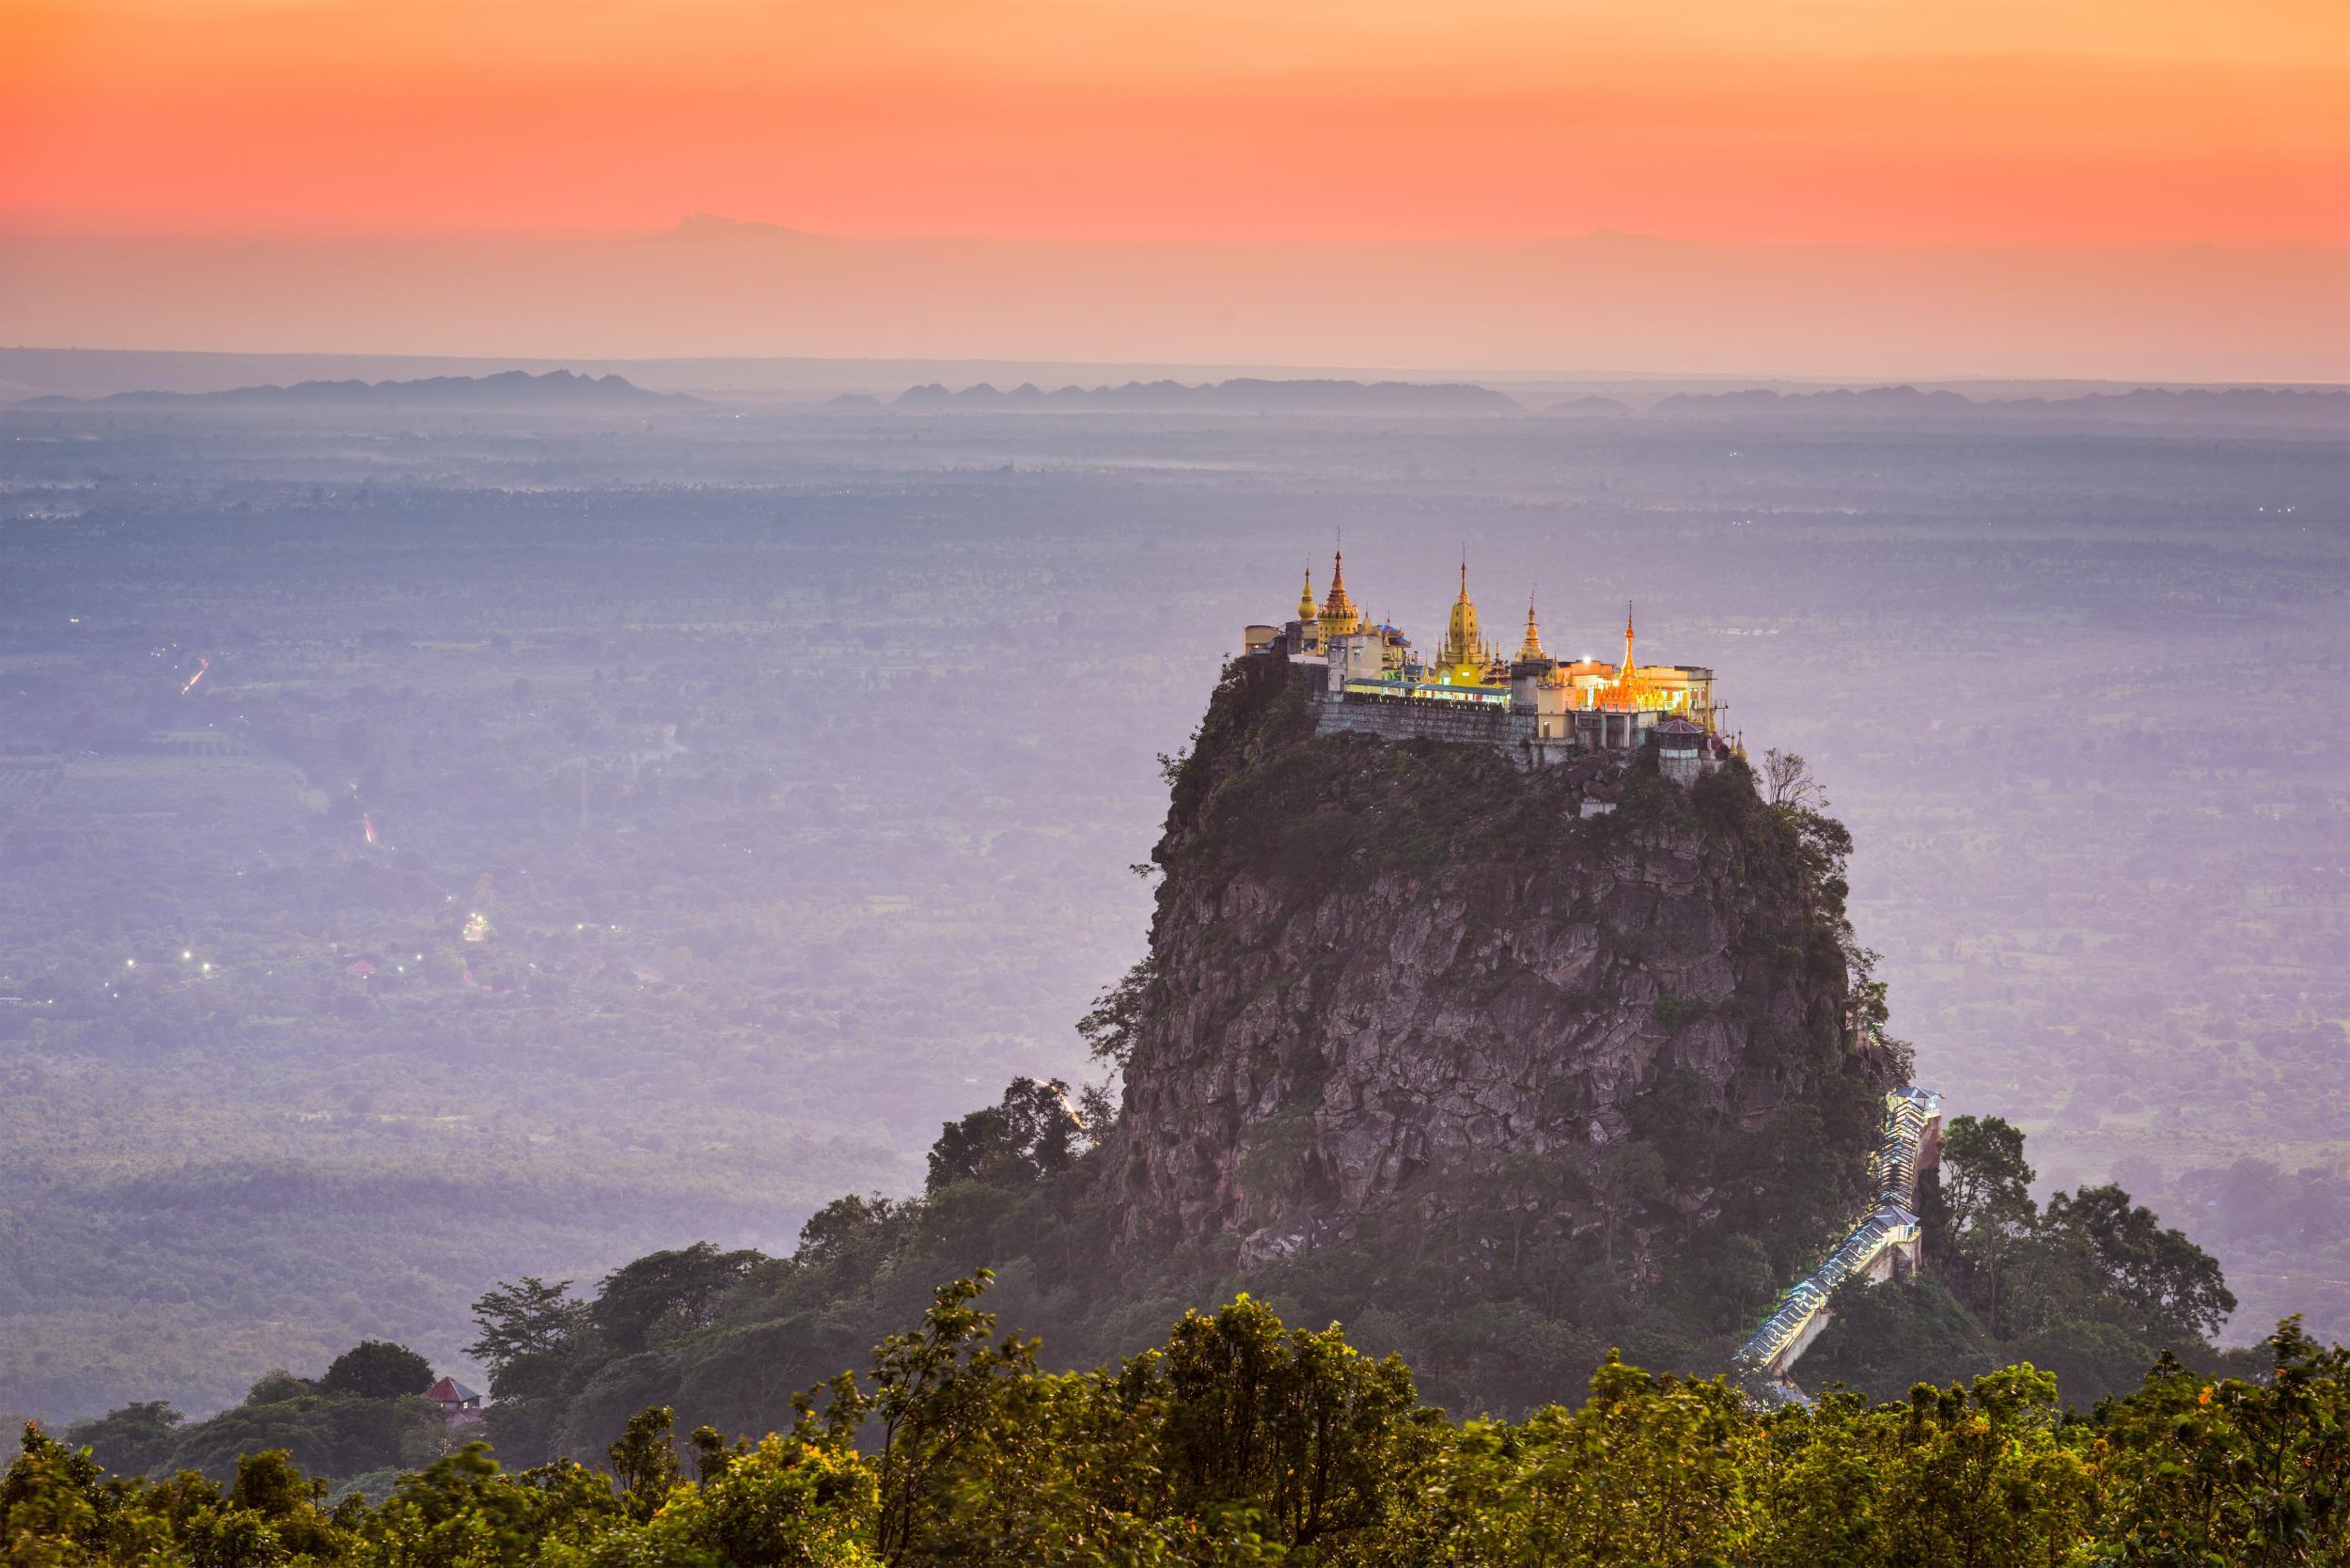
1537 709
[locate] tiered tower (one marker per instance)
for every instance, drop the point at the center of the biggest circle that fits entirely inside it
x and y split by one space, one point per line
1339 616
1461 656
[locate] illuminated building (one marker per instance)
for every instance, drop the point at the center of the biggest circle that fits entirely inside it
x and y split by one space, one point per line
1537 708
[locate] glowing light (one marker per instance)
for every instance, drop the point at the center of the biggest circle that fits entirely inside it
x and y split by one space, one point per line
202 665
185 958
129 963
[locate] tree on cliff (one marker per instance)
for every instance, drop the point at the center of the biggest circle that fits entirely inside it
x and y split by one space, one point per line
1788 783
1031 1131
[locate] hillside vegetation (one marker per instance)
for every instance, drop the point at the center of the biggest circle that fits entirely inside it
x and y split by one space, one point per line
1239 1440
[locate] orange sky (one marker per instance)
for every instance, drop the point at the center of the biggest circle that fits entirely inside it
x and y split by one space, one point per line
1904 121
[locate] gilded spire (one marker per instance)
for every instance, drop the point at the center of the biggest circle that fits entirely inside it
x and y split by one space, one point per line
1462 648
1307 610
1338 610
1532 646
1628 665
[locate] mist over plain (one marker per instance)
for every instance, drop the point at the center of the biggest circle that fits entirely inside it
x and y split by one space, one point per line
795 760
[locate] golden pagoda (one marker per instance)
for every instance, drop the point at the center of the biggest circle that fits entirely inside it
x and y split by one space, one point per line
1338 614
1462 659
1531 647
1306 610
1628 690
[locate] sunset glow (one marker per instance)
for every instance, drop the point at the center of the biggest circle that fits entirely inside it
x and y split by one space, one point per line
1984 121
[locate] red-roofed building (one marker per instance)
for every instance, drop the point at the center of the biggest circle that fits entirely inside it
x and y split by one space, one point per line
458 1405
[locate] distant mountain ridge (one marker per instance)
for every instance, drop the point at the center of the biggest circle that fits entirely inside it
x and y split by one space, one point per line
2317 409
1242 395
505 389
2326 408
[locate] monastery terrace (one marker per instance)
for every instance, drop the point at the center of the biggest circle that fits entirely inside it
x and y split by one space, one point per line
1536 709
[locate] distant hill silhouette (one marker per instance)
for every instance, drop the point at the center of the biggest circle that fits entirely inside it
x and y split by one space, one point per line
710 225
1590 408
2314 409
507 389
1244 395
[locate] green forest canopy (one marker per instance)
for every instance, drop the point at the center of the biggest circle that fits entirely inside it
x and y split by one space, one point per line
1239 1440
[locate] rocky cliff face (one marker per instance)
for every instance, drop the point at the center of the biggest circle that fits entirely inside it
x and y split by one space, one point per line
1405 981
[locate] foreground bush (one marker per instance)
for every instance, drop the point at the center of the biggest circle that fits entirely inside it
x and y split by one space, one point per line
1239 1441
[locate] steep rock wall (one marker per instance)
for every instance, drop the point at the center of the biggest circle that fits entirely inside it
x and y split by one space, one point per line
1390 979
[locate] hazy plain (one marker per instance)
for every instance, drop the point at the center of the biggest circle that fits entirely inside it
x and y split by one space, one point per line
2078 692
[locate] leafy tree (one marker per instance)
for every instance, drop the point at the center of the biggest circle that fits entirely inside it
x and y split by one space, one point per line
529 1317
805 1500
278 1384
934 1390
1298 1429
854 1233
1031 1133
377 1368
645 1461
329 1435
269 1487
2204 1470
1987 1186
136 1439
1110 1028
464 1512
2174 1290
681 1289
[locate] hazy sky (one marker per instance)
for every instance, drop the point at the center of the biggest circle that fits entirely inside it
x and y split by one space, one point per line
2030 123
